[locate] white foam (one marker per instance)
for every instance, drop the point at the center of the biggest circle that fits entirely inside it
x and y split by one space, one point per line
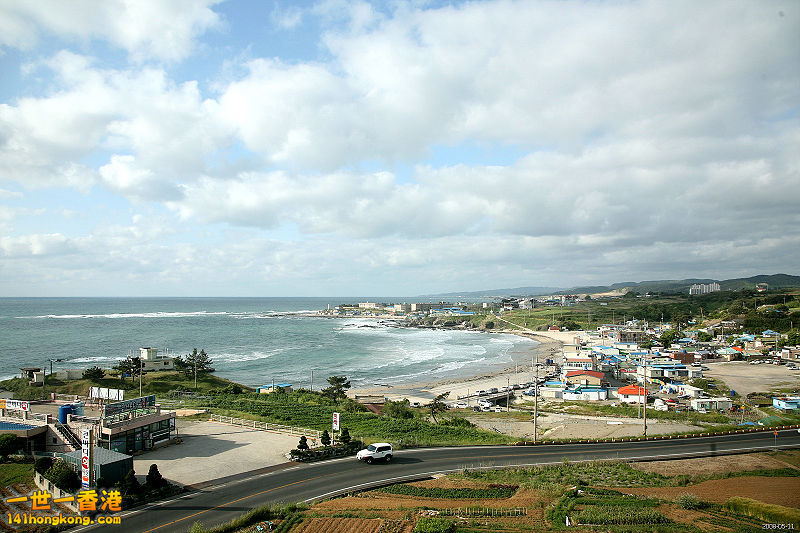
243 357
96 359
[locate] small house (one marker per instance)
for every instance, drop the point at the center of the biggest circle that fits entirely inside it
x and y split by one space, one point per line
711 404
631 394
585 377
267 389
786 403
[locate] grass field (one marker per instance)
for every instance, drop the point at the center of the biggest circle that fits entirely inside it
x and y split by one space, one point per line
14 472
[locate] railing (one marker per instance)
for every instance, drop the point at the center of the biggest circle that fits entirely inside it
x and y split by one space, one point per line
67 435
483 511
267 426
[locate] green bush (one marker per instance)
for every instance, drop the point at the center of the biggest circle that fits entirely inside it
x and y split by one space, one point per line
63 476
434 524
450 494
9 443
42 464
688 500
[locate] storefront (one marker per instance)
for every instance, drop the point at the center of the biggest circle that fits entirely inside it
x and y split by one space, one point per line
135 426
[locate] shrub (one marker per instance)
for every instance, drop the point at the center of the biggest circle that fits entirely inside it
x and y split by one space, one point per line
94 373
42 464
688 500
63 476
303 444
154 478
434 524
9 443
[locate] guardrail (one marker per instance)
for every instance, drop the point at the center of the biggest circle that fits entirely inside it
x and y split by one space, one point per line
266 426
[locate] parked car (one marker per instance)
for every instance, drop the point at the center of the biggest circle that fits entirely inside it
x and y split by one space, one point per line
480 393
493 390
485 403
460 405
376 452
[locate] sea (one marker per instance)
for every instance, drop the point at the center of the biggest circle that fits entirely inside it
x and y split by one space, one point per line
252 341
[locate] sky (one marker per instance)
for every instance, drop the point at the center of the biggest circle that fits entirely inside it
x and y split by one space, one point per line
334 148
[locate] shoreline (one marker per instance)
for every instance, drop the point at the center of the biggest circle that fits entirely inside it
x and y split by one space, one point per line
549 347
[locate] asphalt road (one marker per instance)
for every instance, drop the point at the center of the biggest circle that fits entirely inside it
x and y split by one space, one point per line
307 482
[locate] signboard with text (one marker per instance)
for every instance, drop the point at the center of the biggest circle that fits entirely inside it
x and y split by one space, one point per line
336 421
129 405
86 447
104 393
14 404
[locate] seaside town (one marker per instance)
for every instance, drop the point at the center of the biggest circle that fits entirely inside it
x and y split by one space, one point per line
620 379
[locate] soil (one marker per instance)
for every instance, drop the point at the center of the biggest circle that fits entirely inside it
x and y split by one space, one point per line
745 378
713 465
340 525
783 491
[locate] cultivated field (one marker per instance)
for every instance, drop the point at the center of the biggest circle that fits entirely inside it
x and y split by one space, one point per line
691 495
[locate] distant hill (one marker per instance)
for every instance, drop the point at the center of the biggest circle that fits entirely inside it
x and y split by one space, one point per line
775 281
665 285
493 293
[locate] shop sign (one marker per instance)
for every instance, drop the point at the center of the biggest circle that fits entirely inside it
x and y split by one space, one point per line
14 404
130 405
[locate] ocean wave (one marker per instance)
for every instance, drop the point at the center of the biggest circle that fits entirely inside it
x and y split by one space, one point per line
156 314
96 359
456 365
244 357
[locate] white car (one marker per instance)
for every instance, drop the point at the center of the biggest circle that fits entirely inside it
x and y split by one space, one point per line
376 452
485 403
460 405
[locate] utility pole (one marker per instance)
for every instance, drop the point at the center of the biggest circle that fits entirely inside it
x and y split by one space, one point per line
508 395
195 373
536 398
644 404
140 377
312 375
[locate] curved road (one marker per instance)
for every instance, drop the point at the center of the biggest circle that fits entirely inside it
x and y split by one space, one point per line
307 482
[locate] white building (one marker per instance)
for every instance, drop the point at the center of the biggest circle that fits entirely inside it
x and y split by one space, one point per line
710 404
151 361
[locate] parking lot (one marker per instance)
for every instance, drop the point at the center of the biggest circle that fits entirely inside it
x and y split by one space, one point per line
212 450
745 378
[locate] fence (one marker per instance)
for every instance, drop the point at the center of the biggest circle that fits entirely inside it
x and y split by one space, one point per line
267 426
484 511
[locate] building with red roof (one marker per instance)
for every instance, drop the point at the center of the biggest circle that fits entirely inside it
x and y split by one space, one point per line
586 377
631 394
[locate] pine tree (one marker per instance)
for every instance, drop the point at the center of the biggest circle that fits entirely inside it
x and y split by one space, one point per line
154 478
303 444
325 438
344 438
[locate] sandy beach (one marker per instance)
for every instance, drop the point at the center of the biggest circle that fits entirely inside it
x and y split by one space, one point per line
550 348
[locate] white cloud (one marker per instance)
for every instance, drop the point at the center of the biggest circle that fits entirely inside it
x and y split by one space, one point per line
5 194
170 128
36 245
646 136
144 28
